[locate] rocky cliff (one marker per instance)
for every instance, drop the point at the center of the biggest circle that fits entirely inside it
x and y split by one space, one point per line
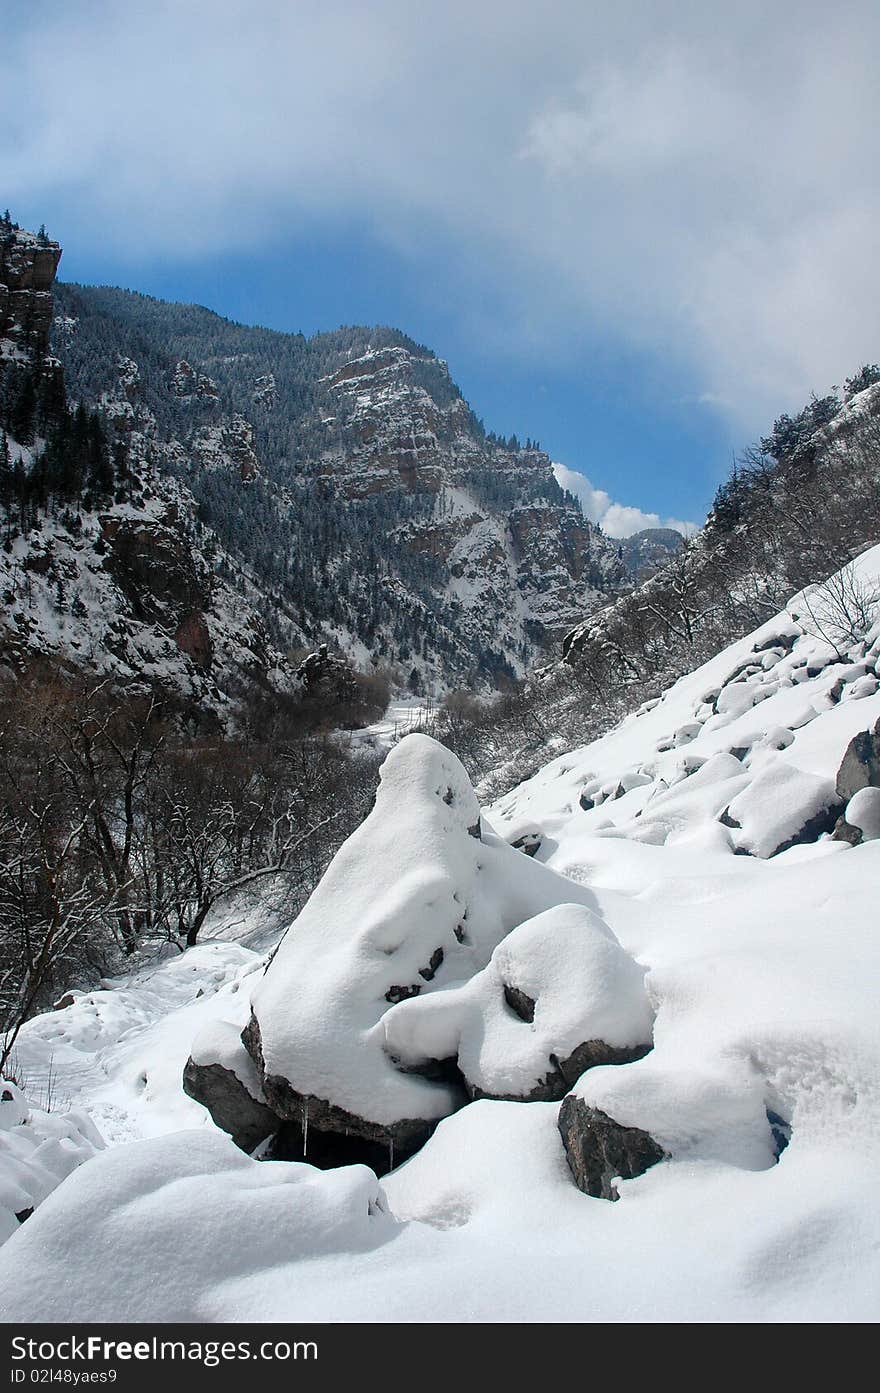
28 263
105 565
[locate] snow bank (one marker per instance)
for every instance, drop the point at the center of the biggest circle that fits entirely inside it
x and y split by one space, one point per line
118 1053
158 1230
37 1150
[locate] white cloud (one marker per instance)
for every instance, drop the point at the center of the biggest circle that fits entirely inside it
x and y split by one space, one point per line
700 182
616 519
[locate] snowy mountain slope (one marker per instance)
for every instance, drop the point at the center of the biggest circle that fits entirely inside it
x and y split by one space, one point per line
138 592
797 506
376 509
760 1090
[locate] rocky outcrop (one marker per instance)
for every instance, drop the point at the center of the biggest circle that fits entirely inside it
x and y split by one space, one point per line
229 446
324 676
28 372
28 263
859 771
188 384
860 766
600 1151
232 1107
154 567
648 551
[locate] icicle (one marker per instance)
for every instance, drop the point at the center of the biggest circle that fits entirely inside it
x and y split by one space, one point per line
391 1153
305 1129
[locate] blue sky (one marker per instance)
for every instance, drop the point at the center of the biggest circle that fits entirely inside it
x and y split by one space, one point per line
630 238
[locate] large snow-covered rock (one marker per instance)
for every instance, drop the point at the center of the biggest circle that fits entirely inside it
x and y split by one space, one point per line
558 996
863 813
781 807
156 1230
418 898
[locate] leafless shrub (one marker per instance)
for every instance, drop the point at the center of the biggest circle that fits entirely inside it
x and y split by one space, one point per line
843 609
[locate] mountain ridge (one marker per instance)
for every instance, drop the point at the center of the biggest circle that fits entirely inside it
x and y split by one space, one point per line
351 434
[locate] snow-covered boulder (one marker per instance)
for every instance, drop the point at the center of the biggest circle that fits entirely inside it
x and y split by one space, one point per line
782 807
37 1150
163 1230
558 996
863 813
418 898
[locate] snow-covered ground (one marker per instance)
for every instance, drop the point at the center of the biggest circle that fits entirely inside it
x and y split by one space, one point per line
691 834
403 716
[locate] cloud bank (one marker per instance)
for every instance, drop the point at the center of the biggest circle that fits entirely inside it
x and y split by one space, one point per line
616 519
700 182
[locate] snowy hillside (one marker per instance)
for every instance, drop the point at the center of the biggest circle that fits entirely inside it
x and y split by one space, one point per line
140 593
622 1024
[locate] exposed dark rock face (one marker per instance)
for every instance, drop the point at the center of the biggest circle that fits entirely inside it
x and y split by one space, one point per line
860 766
520 1004
564 1073
600 1150
193 637
435 962
843 832
814 828
232 1107
328 1135
780 1130
154 568
397 993
529 844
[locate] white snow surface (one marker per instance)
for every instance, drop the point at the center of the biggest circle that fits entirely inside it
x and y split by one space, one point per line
761 970
37 1150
